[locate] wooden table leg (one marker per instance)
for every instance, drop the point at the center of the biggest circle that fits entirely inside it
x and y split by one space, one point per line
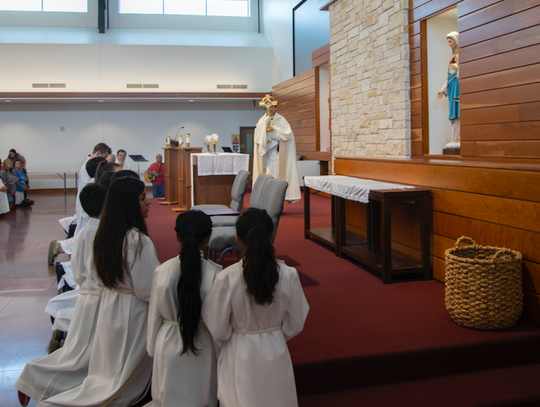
307 212
386 240
341 229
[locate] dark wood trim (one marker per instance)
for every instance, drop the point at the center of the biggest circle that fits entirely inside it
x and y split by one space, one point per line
425 106
131 95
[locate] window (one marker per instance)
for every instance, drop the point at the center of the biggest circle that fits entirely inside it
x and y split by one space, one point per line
73 6
225 8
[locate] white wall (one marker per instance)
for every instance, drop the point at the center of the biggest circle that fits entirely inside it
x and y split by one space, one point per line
276 25
34 130
439 54
108 68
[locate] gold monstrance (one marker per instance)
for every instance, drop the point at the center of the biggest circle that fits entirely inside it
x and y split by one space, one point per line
267 102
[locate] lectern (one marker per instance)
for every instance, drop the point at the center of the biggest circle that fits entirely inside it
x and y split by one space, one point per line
178 177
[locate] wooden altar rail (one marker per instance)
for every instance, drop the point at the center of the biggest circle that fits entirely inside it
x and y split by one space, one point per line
493 203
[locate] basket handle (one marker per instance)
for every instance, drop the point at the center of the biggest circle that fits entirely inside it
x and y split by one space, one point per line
464 239
499 254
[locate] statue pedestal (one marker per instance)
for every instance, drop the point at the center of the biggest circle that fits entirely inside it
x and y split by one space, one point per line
451 151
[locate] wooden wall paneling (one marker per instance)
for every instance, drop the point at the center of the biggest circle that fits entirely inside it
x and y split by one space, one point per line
416 68
500 62
416 82
470 6
295 95
448 228
416 94
301 122
416 108
417 148
416 135
502 131
494 12
531 276
511 77
425 88
302 86
307 139
416 121
520 39
415 41
308 98
318 111
414 28
431 8
505 148
531 307
320 56
518 184
305 131
506 96
296 114
439 269
489 208
512 23
416 3
293 80
416 54
501 114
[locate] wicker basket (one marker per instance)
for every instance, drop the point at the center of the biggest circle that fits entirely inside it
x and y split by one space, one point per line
483 285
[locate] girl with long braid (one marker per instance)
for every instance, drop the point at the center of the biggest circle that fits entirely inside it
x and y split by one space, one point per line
253 308
183 350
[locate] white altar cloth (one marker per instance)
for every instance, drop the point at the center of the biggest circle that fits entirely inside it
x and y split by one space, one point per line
351 188
221 163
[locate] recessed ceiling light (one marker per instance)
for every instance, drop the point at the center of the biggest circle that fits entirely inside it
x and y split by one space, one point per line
7 101
100 101
192 100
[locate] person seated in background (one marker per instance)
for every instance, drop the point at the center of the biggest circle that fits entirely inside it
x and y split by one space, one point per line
121 159
14 155
8 176
20 182
157 173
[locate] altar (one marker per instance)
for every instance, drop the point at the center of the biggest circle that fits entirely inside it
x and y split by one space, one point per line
212 176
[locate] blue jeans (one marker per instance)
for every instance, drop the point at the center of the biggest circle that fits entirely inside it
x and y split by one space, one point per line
158 190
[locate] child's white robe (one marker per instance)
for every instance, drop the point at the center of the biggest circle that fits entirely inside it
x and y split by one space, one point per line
255 369
179 380
120 368
67 367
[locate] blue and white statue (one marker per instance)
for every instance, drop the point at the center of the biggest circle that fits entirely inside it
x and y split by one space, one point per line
451 89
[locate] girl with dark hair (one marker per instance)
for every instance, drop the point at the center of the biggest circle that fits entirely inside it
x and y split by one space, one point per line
183 350
125 258
253 308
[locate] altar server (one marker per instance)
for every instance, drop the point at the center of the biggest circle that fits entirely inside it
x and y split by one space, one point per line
125 259
253 308
67 367
185 371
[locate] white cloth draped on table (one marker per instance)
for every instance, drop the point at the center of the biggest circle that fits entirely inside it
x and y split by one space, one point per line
4 203
221 164
255 369
120 369
355 189
186 380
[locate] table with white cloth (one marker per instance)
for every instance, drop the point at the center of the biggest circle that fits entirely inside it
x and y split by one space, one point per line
376 250
212 176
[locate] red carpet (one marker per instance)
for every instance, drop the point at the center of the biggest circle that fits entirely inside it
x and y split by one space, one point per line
361 332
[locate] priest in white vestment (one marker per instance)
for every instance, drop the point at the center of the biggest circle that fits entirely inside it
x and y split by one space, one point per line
273 130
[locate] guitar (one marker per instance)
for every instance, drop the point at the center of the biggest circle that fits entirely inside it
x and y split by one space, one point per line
150 177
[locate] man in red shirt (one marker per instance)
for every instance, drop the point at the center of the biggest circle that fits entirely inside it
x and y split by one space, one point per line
157 170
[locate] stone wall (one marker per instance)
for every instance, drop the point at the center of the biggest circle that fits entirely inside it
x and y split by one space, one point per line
369 59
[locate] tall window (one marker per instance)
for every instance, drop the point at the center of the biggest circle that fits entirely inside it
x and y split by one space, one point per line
73 6
225 8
